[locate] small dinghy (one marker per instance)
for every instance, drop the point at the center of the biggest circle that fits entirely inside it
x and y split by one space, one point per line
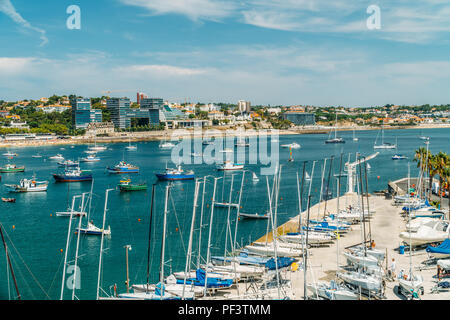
9 200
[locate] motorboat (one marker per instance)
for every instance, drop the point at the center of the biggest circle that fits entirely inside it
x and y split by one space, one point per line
9 200
253 215
175 174
166 145
123 167
90 158
331 291
399 157
10 154
12 168
97 148
228 166
68 163
127 185
293 145
73 175
28 185
429 232
57 157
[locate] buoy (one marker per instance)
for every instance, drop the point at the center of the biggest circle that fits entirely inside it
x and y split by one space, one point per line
50 214
378 177
176 229
14 227
61 250
139 219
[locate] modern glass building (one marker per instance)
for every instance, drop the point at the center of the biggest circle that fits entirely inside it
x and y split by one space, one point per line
119 109
83 114
121 113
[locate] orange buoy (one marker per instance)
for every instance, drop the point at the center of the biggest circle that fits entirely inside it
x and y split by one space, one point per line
176 229
61 250
139 219
378 177
13 227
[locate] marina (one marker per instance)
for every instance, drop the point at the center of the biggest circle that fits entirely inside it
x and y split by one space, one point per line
127 223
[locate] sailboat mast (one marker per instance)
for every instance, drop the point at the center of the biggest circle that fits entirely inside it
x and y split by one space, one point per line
67 247
209 235
9 263
237 212
300 196
305 253
228 217
163 243
328 184
78 246
101 242
150 236
189 252
201 225
363 223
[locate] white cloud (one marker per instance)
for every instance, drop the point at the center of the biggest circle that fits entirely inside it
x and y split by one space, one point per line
193 9
160 70
7 8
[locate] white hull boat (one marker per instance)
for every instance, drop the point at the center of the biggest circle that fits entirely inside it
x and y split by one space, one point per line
428 233
363 281
358 258
331 291
269 250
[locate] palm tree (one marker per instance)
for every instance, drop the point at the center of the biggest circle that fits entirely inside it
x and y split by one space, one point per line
441 162
426 164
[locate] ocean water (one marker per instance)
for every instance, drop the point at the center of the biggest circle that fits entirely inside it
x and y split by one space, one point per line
37 238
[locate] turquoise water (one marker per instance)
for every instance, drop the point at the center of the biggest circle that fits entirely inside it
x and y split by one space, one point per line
38 235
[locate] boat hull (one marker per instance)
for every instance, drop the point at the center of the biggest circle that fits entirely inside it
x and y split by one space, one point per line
119 171
64 178
174 177
132 187
14 170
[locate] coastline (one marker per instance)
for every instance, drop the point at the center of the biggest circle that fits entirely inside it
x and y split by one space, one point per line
167 134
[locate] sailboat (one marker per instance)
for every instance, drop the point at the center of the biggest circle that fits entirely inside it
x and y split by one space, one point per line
130 146
335 139
354 137
255 177
383 145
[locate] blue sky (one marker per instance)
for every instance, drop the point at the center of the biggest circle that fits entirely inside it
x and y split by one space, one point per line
315 52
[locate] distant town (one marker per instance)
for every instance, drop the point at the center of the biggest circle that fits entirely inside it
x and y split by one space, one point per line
71 115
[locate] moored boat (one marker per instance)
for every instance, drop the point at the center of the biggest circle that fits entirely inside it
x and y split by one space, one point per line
126 185
28 185
175 174
11 168
91 229
123 167
9 200
228 166
73 175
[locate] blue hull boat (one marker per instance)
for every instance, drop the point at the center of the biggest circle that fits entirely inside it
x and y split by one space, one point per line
211 283
174 177
442 251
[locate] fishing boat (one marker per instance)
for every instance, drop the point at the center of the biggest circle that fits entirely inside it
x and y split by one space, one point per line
91 229
399 157
228 166
57 157
68 163
335 139
430 232
10 154
73 175
8 199
383 145
11 168
331 291
123 167
28 185
126 185
175 174
90 158
293 145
